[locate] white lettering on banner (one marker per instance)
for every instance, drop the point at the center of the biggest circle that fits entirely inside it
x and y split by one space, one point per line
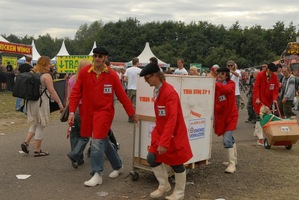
107 89
222 98
197 128
161 111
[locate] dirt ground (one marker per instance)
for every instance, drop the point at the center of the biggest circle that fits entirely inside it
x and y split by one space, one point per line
261 173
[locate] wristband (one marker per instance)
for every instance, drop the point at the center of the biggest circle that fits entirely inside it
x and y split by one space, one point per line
71 113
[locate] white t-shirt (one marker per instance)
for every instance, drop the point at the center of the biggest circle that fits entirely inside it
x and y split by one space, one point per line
182 71
236 80
132 73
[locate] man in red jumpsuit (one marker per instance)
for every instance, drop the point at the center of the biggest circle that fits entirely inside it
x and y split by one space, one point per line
265 92
265 88
96 86
169 138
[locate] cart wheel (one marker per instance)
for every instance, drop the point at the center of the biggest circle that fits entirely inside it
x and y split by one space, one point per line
266 144
135 175
289 147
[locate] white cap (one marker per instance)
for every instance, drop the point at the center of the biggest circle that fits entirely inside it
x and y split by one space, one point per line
215 66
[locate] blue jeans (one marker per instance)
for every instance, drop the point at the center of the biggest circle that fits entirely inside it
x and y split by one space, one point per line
97 150
228 139
78 143
18 103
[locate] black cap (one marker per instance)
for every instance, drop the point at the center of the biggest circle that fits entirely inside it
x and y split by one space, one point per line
149 69
100 50
223 69
272 67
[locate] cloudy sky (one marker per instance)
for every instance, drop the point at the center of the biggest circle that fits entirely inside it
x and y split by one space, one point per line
62 18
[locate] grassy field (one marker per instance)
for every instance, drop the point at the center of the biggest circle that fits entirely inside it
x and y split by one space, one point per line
10 119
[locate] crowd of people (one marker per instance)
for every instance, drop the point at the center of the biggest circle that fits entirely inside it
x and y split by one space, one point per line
91 113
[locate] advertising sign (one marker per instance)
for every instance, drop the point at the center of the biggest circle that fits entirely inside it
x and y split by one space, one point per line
13 61
69 64
15 48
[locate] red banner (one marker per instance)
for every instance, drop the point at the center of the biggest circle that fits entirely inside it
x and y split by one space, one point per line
15 48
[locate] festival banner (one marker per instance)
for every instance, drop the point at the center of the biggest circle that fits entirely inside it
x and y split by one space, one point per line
15 48
13 61
69 64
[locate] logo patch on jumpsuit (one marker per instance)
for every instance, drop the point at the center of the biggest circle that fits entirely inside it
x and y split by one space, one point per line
222 98
161 111
107 89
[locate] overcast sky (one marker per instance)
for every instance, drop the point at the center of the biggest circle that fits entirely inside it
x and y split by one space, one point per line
62 18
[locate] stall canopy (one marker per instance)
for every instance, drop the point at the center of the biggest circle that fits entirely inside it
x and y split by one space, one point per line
145 56
63 51
2 39
94 46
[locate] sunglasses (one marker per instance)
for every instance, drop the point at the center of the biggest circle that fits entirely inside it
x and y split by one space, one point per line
98 56
229 65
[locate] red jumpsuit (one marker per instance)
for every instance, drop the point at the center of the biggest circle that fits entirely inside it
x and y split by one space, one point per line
170 130
266 91
97 108
225 108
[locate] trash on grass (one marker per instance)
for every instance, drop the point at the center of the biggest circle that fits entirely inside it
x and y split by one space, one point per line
102 194
23 176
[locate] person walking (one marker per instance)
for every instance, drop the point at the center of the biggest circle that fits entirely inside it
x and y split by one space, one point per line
78 143
38 112
26 67
265 89
226 115
265 92
95 87
287 93
130 77
169 139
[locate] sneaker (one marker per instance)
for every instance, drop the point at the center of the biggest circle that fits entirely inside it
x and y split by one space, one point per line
116 173
74 163
260 142
24 147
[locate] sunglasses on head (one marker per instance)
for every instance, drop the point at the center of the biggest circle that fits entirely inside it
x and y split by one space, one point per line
98 56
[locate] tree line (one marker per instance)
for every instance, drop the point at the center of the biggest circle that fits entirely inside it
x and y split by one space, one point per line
196 42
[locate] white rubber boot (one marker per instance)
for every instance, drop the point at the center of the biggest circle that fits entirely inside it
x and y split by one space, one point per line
179 188
235 150
162 177
232 161
95 180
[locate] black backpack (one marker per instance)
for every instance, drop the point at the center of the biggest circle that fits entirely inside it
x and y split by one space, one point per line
27 86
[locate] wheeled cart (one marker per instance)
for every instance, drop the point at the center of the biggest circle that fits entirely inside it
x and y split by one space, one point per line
197 100
281 133
278 131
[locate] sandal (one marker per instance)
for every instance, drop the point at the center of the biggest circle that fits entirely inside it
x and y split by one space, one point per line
40 153
24 147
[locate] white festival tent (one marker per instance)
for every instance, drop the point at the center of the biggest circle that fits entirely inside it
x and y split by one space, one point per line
94 46
2 39
63 51
145 55
35 55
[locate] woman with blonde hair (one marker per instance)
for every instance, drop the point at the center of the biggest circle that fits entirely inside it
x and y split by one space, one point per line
78 143
193 71
38 112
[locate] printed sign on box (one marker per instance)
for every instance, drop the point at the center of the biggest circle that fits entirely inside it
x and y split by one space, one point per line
197 128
